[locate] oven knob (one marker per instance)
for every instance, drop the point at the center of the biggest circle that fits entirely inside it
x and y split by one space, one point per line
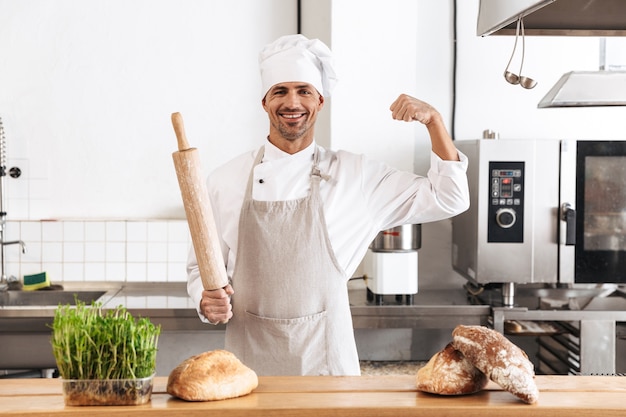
505 217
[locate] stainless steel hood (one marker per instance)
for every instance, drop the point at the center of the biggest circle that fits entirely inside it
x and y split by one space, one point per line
587 89
606 87
553 17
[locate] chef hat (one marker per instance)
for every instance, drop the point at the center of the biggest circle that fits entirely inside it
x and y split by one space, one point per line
293 58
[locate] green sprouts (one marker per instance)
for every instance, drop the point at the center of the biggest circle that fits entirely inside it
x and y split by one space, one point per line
90 343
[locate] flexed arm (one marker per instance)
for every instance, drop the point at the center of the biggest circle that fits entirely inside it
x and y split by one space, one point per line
410 109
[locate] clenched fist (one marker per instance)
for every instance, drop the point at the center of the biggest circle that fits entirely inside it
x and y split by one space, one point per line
409 108
215 304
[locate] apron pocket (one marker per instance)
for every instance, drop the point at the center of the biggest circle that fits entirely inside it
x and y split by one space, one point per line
286 346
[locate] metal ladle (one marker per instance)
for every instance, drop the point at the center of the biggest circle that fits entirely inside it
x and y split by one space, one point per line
510 77
525 82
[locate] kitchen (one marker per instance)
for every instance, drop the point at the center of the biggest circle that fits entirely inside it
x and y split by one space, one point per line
58 114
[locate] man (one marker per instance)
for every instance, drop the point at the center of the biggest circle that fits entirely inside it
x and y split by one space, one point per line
295 220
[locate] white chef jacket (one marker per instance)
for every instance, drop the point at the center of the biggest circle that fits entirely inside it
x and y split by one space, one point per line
361 197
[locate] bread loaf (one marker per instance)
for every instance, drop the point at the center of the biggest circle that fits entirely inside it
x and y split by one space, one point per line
213 375
501 360
448 372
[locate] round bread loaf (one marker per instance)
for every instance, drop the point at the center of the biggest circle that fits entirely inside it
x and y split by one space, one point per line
213 375
501 360
448 372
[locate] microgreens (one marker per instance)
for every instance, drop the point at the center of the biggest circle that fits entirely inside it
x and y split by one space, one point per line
91 343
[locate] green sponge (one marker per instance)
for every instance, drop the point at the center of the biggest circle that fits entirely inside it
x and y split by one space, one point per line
36 281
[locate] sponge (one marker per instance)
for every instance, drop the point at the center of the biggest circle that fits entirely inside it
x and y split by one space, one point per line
36 281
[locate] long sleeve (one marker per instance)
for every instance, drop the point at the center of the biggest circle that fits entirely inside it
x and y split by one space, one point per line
361 197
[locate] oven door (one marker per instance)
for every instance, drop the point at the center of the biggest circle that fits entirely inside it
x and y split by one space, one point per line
594 216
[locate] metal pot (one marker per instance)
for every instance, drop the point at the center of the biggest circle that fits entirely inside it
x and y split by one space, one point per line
405 238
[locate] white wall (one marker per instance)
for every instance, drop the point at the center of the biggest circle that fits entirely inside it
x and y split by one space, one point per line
88 88
375 49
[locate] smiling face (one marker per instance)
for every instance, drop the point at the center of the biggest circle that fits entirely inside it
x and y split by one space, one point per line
292 108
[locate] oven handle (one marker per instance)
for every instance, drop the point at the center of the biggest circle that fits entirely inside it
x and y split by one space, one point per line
568 214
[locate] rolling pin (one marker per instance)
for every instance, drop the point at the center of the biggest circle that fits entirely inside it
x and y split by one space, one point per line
198 210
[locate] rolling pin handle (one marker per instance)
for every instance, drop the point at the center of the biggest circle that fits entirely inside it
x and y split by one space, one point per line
179 128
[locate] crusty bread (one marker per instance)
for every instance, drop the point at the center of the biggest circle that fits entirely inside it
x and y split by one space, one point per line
501 360
448 372
213 375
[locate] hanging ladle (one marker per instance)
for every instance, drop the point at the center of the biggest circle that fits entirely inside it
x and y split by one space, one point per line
510 77
525 82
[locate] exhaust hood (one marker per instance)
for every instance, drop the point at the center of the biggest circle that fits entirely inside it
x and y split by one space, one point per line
587 89
602 18
553 17
606 87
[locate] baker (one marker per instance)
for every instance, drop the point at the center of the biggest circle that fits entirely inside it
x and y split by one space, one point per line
295 219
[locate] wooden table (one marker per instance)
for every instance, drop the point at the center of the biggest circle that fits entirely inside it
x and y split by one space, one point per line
339 396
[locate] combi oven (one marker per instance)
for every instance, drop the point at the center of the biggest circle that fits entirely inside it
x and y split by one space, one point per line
543 211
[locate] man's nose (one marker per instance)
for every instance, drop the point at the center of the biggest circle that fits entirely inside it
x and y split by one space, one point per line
292 99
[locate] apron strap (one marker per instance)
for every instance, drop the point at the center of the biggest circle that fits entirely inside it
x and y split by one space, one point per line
315 171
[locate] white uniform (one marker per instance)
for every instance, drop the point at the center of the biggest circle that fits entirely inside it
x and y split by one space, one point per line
360 197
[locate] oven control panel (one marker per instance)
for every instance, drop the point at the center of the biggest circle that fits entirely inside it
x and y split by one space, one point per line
506 202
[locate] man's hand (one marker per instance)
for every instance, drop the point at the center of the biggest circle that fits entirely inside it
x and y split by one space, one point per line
409 108
215 304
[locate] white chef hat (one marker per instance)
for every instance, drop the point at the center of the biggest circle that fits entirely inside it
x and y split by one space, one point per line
293 58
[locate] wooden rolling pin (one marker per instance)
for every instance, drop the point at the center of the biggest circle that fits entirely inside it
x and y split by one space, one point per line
198 210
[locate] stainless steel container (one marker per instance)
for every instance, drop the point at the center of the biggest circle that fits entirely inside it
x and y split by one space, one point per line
405 238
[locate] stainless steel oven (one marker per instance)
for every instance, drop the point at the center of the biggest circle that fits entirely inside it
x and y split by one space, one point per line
543 211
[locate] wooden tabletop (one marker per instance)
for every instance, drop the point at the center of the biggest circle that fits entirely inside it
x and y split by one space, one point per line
339 396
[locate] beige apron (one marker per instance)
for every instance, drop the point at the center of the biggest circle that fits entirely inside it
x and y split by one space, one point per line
291 313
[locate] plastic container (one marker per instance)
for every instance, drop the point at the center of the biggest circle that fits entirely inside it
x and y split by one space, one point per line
107 391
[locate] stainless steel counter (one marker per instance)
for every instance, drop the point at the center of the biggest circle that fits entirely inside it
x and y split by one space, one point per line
169 305
431 309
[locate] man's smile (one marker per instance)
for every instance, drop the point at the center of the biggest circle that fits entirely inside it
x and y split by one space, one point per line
292 116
